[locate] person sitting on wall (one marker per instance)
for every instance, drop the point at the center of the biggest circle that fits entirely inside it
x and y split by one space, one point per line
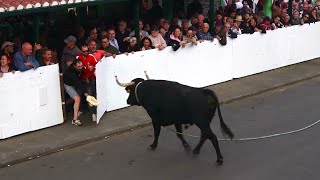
5 66
24 59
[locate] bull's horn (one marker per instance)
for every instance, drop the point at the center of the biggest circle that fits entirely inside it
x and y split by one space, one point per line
145 73
124 84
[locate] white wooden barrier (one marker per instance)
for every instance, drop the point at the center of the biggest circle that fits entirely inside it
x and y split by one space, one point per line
208 63
30 101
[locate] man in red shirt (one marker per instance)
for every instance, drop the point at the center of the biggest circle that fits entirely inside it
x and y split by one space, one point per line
89 62
98 54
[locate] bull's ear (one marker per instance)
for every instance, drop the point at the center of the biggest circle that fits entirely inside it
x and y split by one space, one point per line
128 91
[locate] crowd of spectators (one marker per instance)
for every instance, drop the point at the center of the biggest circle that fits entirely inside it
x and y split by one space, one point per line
85 48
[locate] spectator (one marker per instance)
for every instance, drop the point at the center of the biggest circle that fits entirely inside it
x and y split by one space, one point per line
46 57
190 37
94 36
254 27
245 24
147 44
156 39
98 54
81 37
75 87
162 32
204 34
133 45
7 49
89 63
112 38
236 25
276 23
70 51
121 34
286 21
24 59
109 49
185 25
144 33
222 34
200 18
5 66
176 39
305 18
295 18
266 25
313 16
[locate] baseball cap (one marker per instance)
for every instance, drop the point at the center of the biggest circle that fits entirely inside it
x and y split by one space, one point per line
6 43
70 39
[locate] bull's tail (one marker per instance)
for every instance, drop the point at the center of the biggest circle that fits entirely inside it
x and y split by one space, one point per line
224 127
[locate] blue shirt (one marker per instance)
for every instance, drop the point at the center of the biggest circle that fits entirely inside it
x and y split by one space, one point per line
20 59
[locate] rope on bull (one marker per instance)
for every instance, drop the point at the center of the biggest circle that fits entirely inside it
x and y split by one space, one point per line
254 138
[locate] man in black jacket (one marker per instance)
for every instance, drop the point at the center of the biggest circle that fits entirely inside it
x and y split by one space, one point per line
75 86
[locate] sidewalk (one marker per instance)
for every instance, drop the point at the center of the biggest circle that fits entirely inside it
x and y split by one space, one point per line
47 141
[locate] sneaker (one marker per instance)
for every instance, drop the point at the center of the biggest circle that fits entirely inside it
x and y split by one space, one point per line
94 117
76 122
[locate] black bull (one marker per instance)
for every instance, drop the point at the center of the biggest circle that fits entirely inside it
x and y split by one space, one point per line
169 103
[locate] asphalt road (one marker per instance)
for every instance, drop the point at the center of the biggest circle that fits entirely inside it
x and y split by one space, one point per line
125 156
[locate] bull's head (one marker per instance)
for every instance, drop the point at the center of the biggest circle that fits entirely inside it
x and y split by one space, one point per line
131 88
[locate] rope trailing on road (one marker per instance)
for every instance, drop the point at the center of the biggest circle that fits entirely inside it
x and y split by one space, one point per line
254 138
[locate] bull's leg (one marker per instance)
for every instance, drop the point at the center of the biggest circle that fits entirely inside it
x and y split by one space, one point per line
210 135
180 136
196 150
156 130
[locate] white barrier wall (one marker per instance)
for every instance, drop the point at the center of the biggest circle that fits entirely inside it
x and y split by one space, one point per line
208 63
261 52
30 101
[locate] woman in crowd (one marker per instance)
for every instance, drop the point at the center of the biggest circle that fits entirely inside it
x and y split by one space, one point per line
313 16
176 39
147 44
4 65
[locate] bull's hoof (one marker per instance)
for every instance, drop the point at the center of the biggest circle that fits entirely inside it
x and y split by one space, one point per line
152 147
196 152
187 147
219 161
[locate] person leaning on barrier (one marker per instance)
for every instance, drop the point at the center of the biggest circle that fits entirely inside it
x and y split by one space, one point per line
176 39
156 38
146 44
190 37
109 49
5 66
74 85
24 59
